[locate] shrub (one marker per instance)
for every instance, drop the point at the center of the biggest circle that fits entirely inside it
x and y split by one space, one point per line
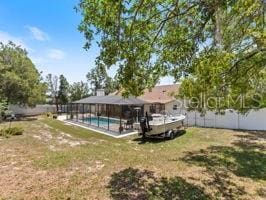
15 131
11 131
3 109
49 114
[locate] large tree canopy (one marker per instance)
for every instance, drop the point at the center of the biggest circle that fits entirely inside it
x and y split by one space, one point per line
63 90
99 79
217 47
78 90
53 89
20 82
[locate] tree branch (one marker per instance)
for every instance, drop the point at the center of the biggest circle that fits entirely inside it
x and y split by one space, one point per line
248 56
135 17
169 17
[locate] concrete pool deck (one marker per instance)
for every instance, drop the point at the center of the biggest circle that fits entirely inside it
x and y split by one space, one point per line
97 129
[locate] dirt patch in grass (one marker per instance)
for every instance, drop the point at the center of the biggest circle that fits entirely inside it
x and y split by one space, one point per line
56 138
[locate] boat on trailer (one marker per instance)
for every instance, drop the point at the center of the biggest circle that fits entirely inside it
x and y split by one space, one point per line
161 125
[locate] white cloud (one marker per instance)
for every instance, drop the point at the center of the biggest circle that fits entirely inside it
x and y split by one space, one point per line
56 54
38 60
6 37
38 34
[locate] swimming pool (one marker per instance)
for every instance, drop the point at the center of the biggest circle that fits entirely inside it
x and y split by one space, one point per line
102 121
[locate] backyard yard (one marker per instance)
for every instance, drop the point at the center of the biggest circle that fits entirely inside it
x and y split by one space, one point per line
53 160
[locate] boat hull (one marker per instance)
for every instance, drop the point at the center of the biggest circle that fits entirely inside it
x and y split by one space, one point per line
157 129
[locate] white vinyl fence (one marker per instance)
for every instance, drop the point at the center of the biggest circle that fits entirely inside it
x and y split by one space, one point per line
28 111
254 120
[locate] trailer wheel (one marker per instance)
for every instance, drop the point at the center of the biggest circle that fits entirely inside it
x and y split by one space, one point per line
171 136
143 136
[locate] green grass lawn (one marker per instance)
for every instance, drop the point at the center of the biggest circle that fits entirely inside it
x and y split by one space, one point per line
52 160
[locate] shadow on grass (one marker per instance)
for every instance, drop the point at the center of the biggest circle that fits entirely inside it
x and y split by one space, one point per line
261 192
26 119
158 139
250 145
253 135
135 184
251 140
245 163
19 119
245 158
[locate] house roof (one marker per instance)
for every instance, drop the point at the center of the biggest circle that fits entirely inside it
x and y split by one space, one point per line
112 99
160 94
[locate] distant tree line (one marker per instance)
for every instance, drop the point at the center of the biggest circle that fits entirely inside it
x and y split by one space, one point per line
61 92
22 84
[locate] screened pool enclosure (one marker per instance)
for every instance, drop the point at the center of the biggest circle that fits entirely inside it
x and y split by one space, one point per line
114 114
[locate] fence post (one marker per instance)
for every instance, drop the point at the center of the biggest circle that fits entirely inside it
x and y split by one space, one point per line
238 120
195 118
214 120
187 118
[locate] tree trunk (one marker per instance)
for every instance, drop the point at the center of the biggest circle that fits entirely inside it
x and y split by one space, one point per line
56 104
218 28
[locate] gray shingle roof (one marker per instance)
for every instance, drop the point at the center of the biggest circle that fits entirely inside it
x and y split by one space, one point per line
112 99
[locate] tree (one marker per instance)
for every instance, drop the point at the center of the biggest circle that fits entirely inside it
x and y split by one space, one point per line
79 90
3 108
20 81
99 78
63 92
111 85
148 39
53 89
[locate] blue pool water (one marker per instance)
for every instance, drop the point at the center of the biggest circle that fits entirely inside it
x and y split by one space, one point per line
102 121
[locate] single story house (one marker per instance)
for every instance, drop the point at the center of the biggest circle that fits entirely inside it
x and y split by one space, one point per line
160 98
117 114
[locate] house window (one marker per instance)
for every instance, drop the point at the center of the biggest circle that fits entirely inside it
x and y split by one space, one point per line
174 107
153 108
162 107
157 108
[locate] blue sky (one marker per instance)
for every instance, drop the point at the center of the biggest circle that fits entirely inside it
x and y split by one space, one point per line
48 30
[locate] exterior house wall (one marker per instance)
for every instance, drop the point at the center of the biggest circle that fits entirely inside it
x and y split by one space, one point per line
169 107
146 108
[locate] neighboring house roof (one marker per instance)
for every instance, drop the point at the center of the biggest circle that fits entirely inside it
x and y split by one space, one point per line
161 94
